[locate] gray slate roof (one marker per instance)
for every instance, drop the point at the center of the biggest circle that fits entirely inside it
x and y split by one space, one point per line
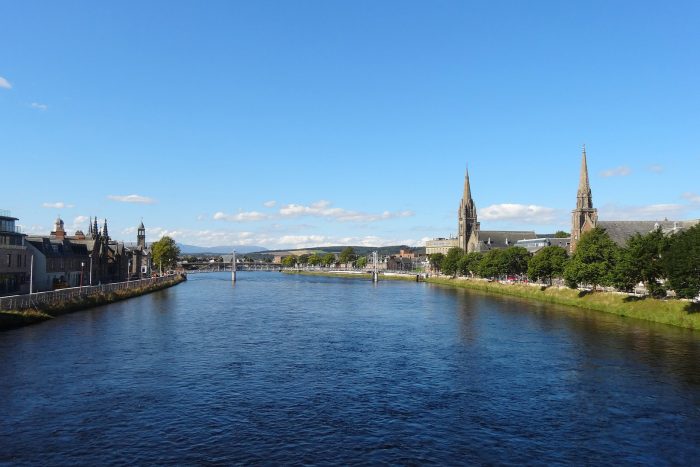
490 239
620 231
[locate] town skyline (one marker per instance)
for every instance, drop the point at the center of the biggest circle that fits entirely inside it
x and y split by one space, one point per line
304 132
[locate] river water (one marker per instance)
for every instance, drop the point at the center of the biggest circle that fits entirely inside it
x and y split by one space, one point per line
296 369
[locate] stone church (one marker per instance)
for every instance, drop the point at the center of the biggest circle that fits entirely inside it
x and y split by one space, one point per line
585 217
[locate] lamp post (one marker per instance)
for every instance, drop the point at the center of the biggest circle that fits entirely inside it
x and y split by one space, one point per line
31 275
90 256
82 267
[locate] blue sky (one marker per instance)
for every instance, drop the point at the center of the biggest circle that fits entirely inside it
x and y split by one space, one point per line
291 124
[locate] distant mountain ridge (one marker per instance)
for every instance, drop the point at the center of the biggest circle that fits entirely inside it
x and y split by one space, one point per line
194 249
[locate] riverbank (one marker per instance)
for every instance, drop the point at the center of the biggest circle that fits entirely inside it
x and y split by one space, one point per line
354 275
15 319
672 312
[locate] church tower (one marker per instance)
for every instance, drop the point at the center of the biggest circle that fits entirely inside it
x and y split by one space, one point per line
141 237
585 216
468 229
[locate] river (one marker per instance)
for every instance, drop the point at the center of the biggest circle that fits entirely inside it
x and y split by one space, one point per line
281 369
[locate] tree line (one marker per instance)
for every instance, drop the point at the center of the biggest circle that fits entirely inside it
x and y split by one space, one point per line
662 263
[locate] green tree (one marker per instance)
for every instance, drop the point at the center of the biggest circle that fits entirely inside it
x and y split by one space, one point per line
547 263
641 261
304 259
516 260
681 262
315 260
450 263
328 259
435 260
561 234
469 263
347 255
492 264
361 262
289 261
165 252
594 260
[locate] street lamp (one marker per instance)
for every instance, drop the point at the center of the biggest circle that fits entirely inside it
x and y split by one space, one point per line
90 256
82 266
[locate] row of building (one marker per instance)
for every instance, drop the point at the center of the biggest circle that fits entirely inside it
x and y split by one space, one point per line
58 260
471 238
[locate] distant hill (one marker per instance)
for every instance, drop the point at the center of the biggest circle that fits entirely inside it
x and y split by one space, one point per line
359 250
193 249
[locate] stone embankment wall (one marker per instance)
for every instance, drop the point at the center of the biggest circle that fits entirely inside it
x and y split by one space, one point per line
61 296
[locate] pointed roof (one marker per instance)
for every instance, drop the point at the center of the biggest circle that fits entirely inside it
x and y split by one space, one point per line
583 185
467 194
141 226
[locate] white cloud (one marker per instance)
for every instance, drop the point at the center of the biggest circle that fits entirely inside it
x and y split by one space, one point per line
692 197
656 168
241 216
647 212
36 105
80 222
4 83
270 204
621 171
212 238
526 214
323 209
132 199
57 205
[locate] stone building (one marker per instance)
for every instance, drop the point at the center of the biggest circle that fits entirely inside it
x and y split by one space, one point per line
140 256
585 217
14 260
471 238
61 260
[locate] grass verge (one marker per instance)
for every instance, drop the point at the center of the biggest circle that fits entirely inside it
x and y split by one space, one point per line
16 319
673 312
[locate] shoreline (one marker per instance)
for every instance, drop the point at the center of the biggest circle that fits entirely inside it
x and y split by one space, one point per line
354 275
12 319
671 312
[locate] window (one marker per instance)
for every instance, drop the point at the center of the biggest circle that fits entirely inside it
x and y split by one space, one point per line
19 261
9 260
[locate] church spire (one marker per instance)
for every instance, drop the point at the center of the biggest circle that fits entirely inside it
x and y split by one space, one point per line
467 194
584 199
585 216
105 234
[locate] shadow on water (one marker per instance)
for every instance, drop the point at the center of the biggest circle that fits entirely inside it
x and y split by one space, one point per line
673 351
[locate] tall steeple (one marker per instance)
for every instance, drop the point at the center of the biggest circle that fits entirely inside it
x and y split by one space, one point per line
141 236
105 233
95 229
585 216
584 199
468 227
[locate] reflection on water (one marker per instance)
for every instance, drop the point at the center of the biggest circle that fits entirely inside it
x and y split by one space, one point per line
310 369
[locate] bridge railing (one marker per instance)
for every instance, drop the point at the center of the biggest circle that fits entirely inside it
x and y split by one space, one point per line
56 297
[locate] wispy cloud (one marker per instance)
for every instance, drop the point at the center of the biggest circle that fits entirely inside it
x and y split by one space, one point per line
79 222
621 171
36 105
656 168
270 204
132 199
692 197
57 205
527 214
644 212
250 216
324 209
4 83
210 238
